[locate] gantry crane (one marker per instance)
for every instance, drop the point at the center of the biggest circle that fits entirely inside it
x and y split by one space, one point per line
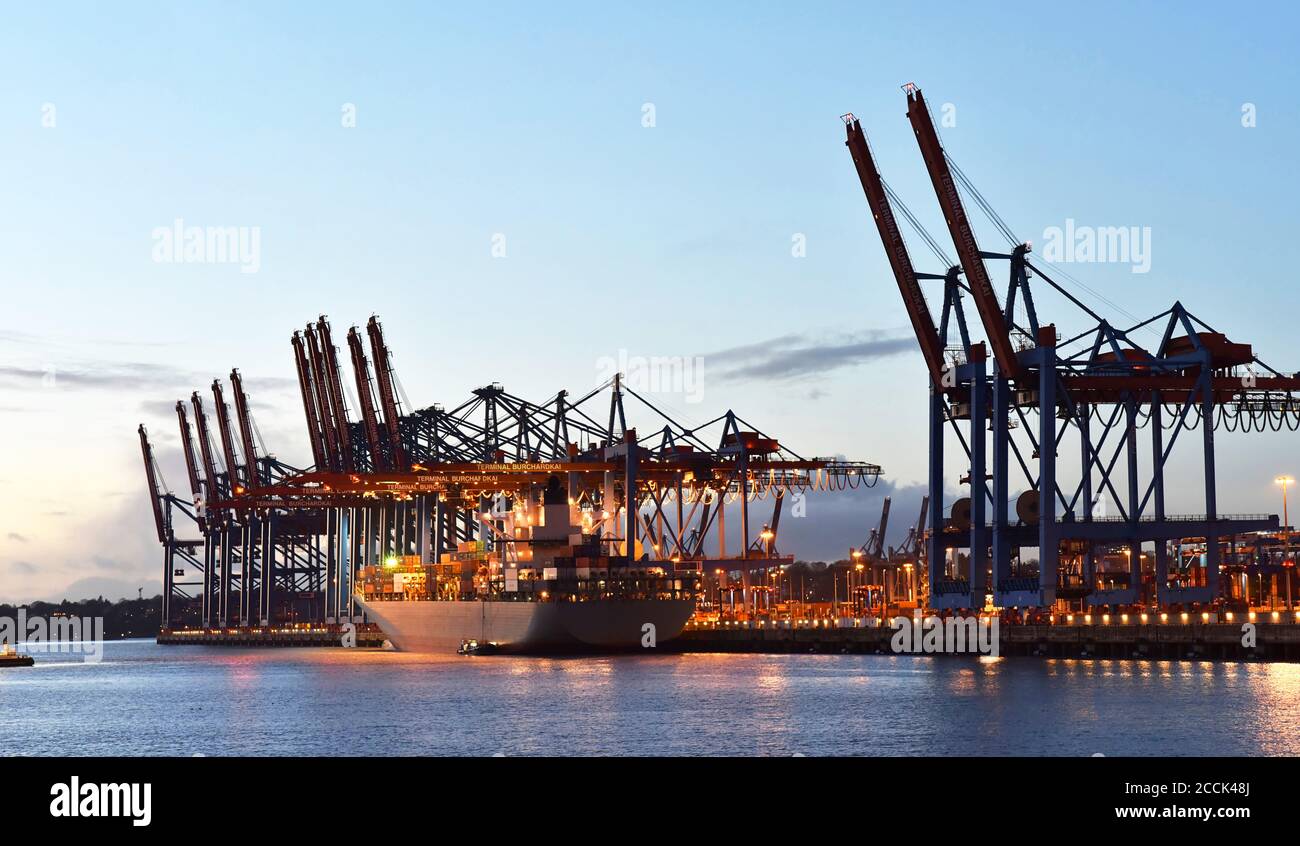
1098 387
424 481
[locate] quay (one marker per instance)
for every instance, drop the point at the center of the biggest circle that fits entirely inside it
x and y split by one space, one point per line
367 635
1226 641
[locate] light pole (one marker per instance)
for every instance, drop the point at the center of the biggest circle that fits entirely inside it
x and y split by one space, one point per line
1287 563
858 605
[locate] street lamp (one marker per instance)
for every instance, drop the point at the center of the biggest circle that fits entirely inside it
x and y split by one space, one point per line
1287 563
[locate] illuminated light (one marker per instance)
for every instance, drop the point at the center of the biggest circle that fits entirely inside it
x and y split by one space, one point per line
1276 616
1087 618
1123 618
1185 616
1164 618
1144 619
1205 616
1251 615
391 561
1069 618
1228 616
1105 619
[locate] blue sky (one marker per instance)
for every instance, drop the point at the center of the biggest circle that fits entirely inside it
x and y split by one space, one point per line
666 240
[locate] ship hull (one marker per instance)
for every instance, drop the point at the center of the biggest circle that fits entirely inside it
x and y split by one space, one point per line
530 627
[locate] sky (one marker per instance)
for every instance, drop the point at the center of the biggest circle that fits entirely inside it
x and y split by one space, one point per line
521 192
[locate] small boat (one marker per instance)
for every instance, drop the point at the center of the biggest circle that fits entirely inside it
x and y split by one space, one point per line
9 657
474 647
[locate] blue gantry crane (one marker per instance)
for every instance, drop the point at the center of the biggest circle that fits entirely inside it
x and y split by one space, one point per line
1099 391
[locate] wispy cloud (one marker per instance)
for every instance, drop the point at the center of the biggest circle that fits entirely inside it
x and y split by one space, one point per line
128 376
105 375
789 356
17 538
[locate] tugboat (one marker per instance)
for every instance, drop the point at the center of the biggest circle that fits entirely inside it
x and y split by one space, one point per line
9 657
473 647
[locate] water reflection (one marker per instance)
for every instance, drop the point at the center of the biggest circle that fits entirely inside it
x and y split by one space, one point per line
146 699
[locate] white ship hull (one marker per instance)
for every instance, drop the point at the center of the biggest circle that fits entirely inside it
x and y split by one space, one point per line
434 626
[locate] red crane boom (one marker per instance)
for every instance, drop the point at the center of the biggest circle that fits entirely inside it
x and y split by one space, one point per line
963 237
387 395
155 493
366 397
308 388
895 249
191 466
337 401
251 475
323 406
213 493
227 442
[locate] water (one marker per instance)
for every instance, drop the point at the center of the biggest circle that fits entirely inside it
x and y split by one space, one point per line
145 699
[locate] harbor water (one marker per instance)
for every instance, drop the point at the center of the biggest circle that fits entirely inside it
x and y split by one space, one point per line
146 699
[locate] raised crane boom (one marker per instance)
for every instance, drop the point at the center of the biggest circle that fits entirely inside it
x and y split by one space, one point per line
191 466
895 249
366 397
213 493
155 491
337 402
222 409
307 385
387 395
324 408
963 237
251 474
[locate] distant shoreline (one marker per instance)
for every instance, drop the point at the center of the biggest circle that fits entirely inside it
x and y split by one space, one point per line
125 618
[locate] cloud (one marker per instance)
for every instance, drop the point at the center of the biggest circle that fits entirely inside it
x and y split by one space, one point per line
128 375
105 563
25 568
17 538
15 337
138 376
160 408
790 356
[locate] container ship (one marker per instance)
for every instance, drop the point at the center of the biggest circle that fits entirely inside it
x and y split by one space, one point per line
541 585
